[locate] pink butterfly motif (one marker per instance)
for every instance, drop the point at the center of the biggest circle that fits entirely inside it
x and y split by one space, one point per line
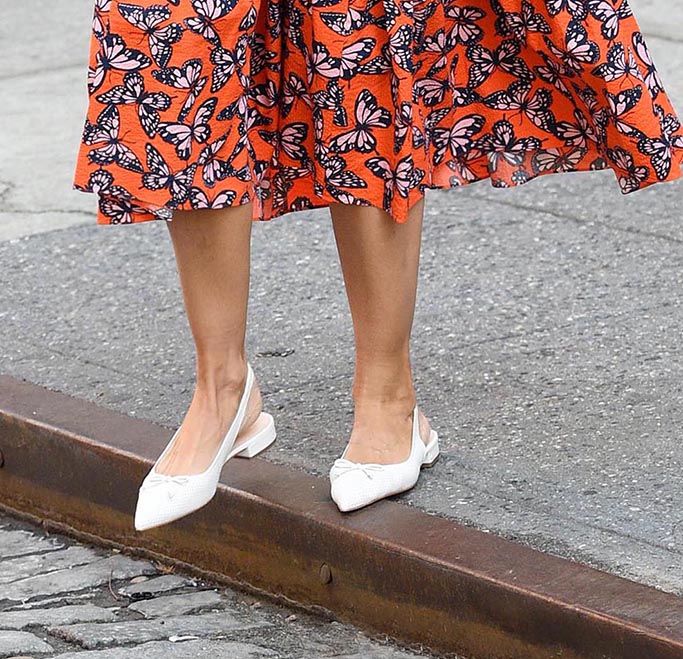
337 175
226 62
610 15
578 50
578 134
576 8
621 104
505 57
100 19
618 65
148 20
188 77
207 12
555 72
199 199
631 181
133 92
400 178
208 160
660 149
516 98
458 138
105 132
183 135
369 115
120 210
652 77
114 54
441 43
289 139
465 29
558 160
503 144
160 176
519 24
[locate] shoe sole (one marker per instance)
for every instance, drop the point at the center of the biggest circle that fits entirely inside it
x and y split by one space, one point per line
432 450
260 435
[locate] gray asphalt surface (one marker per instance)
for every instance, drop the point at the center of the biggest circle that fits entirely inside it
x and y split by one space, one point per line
546 342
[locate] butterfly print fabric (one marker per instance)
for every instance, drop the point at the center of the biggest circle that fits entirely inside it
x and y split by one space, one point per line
295 104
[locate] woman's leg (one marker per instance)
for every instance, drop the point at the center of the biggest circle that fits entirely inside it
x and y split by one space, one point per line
212 250
380 259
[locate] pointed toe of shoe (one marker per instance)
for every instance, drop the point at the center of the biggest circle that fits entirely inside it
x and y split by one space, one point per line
150 510
352 490
167 502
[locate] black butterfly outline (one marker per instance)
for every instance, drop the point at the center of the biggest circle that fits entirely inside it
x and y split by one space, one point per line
557 160
208 11
635 175
576 8
579 133
188 77
652 78
484 62
332 98
465 30
432 90
132 91
502 144
114 54
182 136
660 149
457 138
517 97
147 20
226 62
618 65
519 24
609 16
401 177
160 176
290 139
578 50
368 116
105 131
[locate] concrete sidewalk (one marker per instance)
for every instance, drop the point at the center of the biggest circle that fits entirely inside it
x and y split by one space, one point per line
546 338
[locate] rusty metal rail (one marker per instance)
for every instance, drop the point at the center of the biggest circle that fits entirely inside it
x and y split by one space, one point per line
389 568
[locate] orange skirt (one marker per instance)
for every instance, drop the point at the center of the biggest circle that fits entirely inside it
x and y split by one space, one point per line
296 104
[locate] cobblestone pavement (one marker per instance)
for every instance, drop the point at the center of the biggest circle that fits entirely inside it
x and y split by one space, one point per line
61 599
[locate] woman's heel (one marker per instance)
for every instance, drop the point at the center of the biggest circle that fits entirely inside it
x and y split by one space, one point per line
257 437
431 450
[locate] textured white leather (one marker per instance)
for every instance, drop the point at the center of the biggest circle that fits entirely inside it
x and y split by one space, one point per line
357 484
163 498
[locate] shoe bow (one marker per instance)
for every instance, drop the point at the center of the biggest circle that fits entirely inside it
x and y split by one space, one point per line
343 465
165 479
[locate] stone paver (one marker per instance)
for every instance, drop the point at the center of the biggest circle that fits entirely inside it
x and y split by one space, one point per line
26 566
93 635
13 643
77 578
157 585
201 620
59 615
182 650
176 605
19 543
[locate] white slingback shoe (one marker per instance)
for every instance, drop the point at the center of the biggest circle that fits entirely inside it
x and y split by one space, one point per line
164 498
357 484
